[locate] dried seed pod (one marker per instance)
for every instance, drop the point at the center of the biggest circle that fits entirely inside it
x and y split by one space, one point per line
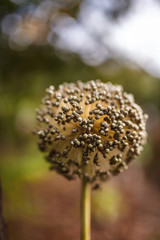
92 130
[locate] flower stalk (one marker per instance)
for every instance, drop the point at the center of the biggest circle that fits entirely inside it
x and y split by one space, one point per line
85 210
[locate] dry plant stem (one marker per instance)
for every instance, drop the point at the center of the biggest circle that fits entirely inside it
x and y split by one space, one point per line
85 210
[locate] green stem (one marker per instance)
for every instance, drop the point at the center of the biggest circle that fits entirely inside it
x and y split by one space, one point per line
85 210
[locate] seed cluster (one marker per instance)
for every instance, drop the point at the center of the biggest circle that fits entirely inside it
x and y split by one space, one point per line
91 130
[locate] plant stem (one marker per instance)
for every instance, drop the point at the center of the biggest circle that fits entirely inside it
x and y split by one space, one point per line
85 210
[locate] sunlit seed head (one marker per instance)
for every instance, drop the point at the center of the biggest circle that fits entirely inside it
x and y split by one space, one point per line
91 130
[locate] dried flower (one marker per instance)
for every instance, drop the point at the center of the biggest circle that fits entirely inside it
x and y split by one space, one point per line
91 130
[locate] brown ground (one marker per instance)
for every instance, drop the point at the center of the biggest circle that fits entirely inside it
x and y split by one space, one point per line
56 215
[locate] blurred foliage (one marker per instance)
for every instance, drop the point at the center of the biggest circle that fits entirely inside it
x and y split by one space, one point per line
109 203
25 75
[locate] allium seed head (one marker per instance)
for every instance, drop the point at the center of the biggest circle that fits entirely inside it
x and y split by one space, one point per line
91 130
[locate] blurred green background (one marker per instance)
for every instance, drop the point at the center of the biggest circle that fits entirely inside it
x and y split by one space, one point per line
42 43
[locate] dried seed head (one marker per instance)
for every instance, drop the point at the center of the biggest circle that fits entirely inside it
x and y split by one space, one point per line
90 130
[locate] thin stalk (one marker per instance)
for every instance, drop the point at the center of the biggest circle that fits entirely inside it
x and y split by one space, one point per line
85 210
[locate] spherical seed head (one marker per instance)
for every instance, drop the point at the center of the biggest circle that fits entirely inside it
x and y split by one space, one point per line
91 130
